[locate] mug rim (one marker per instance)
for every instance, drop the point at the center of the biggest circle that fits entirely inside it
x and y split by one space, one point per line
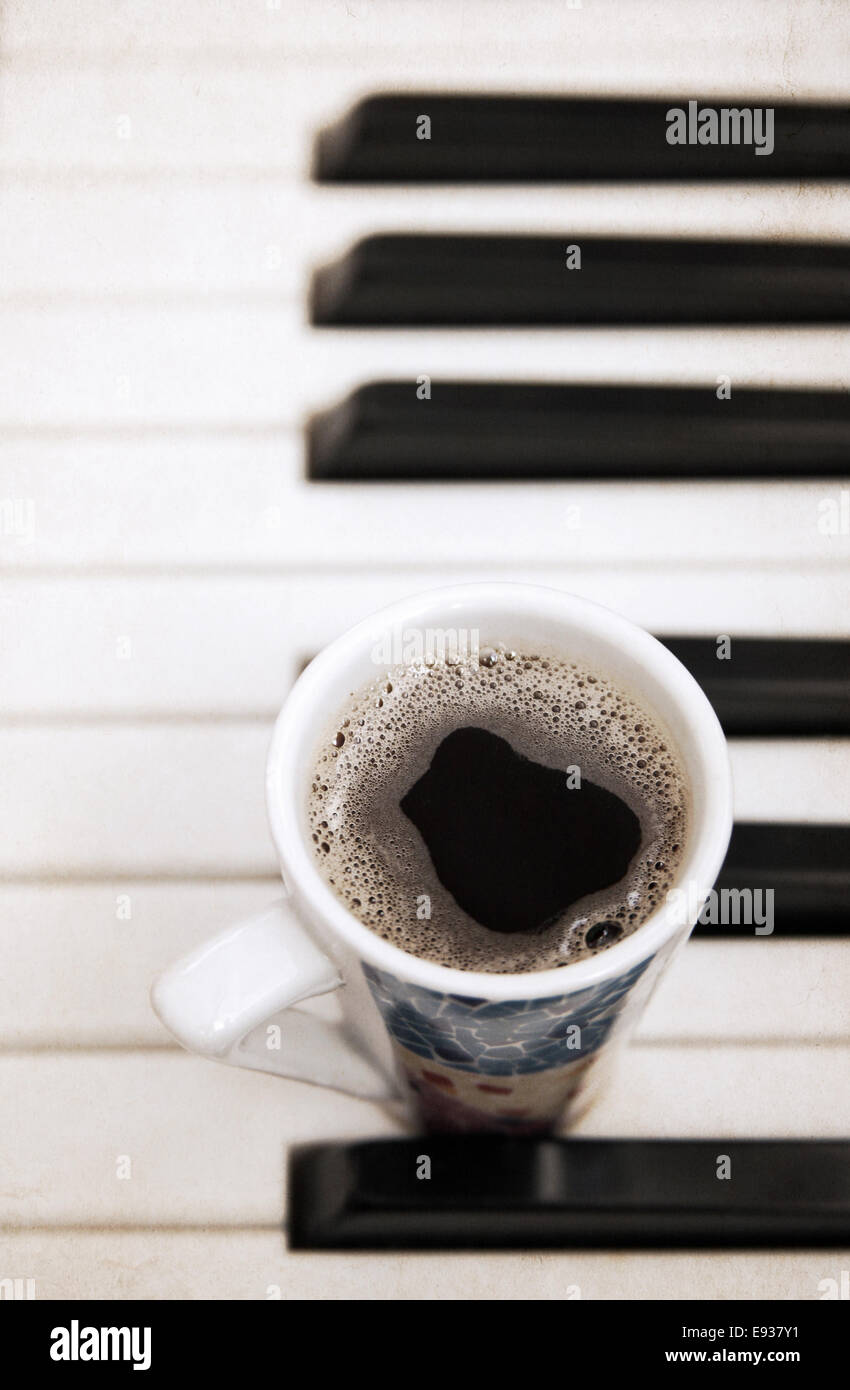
298 720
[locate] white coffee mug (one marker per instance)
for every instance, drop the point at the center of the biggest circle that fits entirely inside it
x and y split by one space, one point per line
467 1050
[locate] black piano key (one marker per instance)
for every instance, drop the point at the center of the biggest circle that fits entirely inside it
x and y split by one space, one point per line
807 867
420 281
772 687
492 138
504 1193
479 431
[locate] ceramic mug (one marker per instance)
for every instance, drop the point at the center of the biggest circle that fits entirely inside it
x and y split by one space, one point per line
466 1050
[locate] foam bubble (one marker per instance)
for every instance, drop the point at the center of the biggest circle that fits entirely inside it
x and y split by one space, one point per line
555 711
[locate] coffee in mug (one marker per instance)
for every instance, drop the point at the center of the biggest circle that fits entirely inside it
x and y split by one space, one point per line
498 810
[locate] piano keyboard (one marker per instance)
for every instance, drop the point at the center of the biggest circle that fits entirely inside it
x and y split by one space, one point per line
207 472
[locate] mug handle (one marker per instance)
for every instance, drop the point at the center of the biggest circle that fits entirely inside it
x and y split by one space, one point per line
216 999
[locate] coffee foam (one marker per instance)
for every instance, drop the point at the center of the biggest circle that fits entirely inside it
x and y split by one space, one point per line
550 709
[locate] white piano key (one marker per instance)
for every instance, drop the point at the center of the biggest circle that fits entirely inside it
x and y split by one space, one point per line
197 237
246 1263
206 1143
110 30
96 801
79 961
94 30
229 646
202 1143
730 989
663 1091
791 779
186 797
200 500
464 44
256 365
158 120
149 121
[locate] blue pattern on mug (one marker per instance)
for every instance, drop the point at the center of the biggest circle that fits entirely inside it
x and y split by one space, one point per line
511 1037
